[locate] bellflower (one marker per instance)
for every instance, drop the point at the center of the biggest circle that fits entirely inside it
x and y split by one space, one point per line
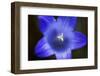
59 37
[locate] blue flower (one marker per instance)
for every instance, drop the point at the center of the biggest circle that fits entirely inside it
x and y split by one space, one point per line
59 37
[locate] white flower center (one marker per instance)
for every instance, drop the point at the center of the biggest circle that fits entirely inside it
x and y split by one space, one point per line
60 37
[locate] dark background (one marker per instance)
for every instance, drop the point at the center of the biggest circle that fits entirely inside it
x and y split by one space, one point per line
34 35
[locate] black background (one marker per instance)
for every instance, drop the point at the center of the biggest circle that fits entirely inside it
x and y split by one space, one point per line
34 35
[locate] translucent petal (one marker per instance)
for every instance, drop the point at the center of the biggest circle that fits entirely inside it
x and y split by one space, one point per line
79 40
43 49
64 55
44 22
67 21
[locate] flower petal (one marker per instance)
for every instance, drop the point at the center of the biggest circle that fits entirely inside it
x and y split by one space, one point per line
79 40
67 22
64 55
44 22
43 49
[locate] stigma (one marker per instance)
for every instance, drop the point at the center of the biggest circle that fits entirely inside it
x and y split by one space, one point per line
60 37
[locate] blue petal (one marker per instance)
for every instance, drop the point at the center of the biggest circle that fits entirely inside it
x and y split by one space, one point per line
44 22
67 22
79 40
43 49
67 54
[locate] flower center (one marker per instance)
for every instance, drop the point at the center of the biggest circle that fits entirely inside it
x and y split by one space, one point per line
58 41
60 37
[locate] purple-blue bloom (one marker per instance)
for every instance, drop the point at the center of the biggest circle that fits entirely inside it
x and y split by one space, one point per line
59 37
